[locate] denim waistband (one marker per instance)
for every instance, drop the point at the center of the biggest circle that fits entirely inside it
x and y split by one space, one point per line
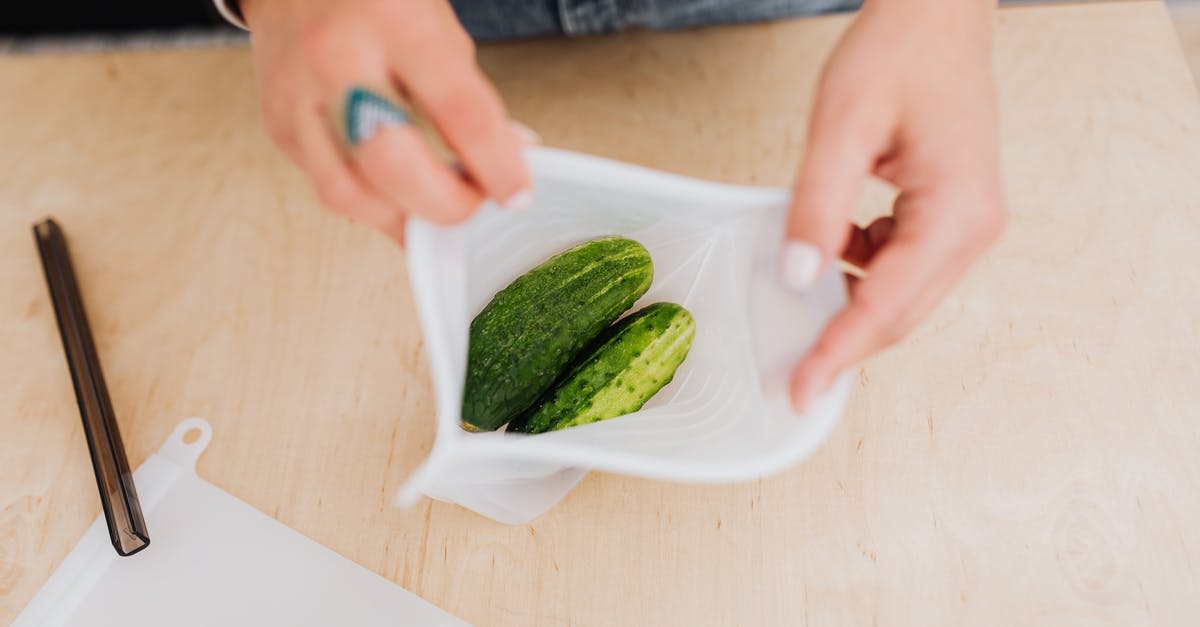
490 20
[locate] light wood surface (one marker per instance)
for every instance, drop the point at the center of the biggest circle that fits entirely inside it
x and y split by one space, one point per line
1185 14
1031 456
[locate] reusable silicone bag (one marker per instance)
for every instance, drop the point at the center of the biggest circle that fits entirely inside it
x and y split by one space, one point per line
725 417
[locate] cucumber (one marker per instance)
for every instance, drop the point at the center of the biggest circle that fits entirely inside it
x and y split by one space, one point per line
531 331
627 365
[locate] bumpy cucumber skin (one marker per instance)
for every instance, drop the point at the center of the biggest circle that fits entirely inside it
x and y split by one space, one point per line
629 364
531 331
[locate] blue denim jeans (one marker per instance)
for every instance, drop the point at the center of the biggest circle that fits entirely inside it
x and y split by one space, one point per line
492 20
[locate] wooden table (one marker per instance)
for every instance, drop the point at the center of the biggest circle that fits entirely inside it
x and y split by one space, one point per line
1031 456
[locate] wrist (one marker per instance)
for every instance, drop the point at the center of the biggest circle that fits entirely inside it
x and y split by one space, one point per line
934 11
939 5
962 24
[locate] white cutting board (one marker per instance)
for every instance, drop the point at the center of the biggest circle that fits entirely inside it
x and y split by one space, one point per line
214 560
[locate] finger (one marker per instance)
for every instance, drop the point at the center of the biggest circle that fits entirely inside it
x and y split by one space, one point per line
339 187
865 242
465 109
843 145
905 280
398 161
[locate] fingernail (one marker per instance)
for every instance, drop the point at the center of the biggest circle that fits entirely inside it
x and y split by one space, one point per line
799 263
519 201
527 135
367 113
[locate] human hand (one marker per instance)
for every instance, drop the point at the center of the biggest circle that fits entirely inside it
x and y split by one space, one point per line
907 96
312 58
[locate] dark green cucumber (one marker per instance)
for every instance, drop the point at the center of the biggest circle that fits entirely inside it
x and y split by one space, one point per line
630 363
531 331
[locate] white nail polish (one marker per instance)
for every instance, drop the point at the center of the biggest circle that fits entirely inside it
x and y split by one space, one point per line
527 135
799 263
519 201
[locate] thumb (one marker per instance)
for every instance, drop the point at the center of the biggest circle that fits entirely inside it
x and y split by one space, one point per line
838 158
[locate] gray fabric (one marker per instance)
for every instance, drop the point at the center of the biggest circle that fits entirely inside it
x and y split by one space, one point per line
491 20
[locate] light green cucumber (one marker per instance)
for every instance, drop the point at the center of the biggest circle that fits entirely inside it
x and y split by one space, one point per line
630 363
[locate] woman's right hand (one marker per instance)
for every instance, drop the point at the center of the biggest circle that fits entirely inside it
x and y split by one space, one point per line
308 57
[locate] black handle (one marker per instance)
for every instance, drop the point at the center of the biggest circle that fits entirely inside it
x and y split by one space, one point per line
122 511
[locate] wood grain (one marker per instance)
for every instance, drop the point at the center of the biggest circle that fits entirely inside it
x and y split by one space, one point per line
1028 457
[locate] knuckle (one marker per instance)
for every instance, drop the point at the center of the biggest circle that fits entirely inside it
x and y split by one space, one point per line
277 110
332 50
987 225
995 222
456 102
339 194
379 155
881 318
446 207
428 44
461 44
320 39
279 131
840 99
391 221
848 118
465 46
456 210
822 355
425 37
891 334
